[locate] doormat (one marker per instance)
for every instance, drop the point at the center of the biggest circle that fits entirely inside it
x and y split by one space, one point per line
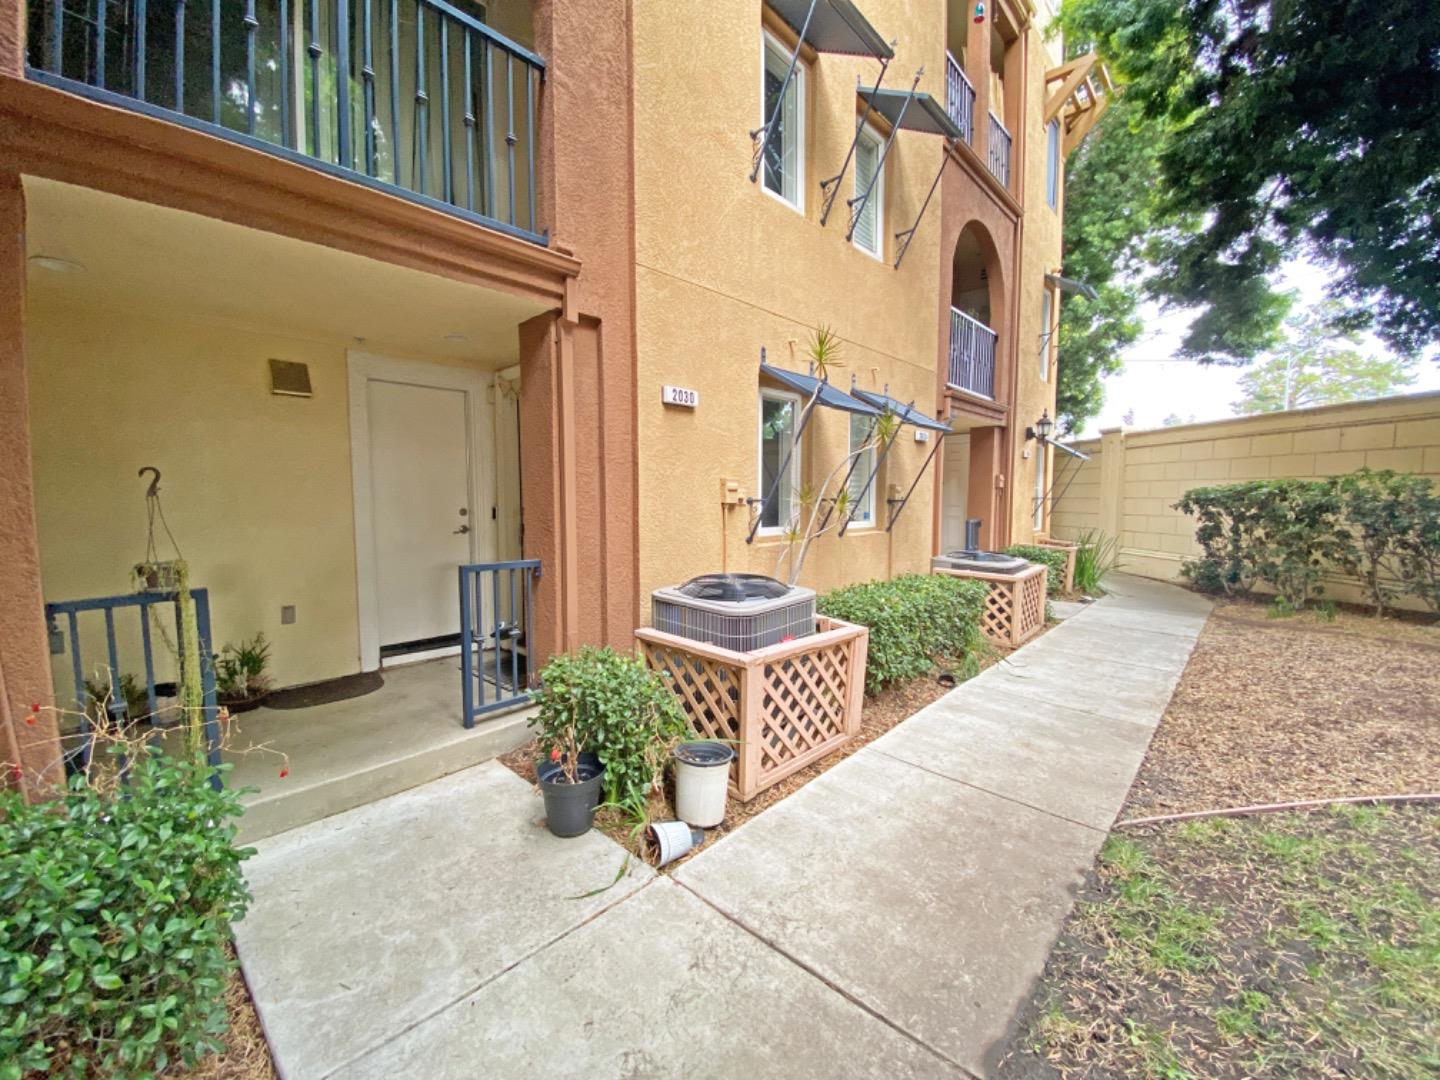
324 693
486 660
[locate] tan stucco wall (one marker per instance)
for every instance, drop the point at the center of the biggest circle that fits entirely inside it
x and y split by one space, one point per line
1040 253
256 487
1129 486
724 269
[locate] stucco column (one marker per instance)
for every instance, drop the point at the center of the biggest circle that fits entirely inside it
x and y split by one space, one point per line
24 647
12 37
1112 482
977 70
982 491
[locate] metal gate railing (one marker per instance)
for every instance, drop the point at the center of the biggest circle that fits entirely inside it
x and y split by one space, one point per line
109 678
497 610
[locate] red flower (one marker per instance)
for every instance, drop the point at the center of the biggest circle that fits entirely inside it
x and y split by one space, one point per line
30 719
787 637
284 773
16 773
555 753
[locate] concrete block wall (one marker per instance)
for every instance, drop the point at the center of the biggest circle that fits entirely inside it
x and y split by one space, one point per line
1130 484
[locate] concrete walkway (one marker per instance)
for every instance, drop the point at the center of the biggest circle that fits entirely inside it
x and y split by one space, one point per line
886 920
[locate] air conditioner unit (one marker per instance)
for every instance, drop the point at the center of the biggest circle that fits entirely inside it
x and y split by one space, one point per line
984 562
740 612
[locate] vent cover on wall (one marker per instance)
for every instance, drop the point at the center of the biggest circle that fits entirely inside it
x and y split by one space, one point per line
290 377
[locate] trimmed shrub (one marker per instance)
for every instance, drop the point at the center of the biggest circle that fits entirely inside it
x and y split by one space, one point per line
912 619
1277 532
1383 527
1053 559
610 703
115 913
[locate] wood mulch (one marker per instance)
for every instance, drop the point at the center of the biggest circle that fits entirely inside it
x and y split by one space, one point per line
1277 710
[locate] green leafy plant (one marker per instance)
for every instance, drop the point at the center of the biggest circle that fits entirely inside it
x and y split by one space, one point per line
1053 559
115 912
1394 521
1281 533
240 670
611 704
131 694
1095 557
913 619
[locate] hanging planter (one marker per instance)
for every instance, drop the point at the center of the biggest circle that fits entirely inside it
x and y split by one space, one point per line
162 576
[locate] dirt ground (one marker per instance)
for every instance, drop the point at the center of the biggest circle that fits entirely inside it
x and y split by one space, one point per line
1294 944
1276 710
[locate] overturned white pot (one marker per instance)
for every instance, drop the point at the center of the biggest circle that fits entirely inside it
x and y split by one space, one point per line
702 782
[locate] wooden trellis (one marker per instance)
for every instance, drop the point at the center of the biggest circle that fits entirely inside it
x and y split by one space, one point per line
785 706
1015 605
1070 549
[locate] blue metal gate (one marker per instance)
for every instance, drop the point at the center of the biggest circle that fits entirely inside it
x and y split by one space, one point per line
497 610
150 607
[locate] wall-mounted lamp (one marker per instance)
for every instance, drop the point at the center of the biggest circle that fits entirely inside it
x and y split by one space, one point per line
1042 429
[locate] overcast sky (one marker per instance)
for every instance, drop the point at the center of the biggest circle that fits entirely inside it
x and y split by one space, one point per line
1154 386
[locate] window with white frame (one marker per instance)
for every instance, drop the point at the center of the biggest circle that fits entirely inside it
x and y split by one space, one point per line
779 458
1047 334
1052 164
862 491
784 155
870 225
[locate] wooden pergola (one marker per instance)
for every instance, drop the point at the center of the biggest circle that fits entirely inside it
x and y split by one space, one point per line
1083 94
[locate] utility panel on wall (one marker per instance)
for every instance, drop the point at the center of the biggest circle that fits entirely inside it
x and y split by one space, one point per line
290 378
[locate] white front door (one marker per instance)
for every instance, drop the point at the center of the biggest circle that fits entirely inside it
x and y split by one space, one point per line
424 523
954 492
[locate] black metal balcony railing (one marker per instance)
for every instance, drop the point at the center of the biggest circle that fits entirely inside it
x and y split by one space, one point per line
972 354
412 96
959 98
999 150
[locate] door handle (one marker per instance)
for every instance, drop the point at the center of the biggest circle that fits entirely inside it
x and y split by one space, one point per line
461 530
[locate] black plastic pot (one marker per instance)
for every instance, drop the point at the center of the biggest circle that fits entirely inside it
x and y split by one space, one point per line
570 808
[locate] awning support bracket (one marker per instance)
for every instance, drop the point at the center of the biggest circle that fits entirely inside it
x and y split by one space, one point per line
898 508
831 187
857 204
906 235
850 517
761 135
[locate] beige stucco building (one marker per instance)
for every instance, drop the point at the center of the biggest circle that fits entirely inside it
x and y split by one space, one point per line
380 299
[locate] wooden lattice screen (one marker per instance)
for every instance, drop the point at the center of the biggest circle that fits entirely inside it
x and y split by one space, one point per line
786 705
1070 550
1015 605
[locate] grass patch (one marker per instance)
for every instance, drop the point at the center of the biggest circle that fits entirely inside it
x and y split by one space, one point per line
1295 945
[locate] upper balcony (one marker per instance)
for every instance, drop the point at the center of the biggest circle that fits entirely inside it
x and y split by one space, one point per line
959 98
418 98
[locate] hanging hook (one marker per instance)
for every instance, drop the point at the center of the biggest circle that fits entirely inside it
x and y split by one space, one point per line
153 490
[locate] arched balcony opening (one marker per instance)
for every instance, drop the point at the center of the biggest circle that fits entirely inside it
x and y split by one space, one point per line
975 296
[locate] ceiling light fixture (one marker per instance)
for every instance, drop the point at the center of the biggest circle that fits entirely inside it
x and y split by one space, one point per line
55 264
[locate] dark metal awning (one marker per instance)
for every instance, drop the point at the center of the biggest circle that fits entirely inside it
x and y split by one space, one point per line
835 26
1067 449
1071 285
923 113
906 413
829 396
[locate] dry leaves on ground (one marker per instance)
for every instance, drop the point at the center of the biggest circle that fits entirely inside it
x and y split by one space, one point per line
1274 710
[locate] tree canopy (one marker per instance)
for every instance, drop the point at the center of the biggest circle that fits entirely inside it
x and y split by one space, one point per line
1320 363
1288 128
1109 213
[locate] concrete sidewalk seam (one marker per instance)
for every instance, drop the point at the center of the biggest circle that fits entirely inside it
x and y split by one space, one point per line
472 991
827 982
988 791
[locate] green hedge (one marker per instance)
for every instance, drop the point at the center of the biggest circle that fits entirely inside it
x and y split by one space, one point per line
115 913
912 619
1383 527
1053 559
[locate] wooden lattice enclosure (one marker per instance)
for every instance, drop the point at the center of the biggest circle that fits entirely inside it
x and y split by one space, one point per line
1070 549
1014 606
786 705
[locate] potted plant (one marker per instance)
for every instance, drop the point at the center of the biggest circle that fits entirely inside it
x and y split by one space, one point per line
241 682
160 575
702 781
606 727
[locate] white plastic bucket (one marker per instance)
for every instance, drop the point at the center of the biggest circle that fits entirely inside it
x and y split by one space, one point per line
702 782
